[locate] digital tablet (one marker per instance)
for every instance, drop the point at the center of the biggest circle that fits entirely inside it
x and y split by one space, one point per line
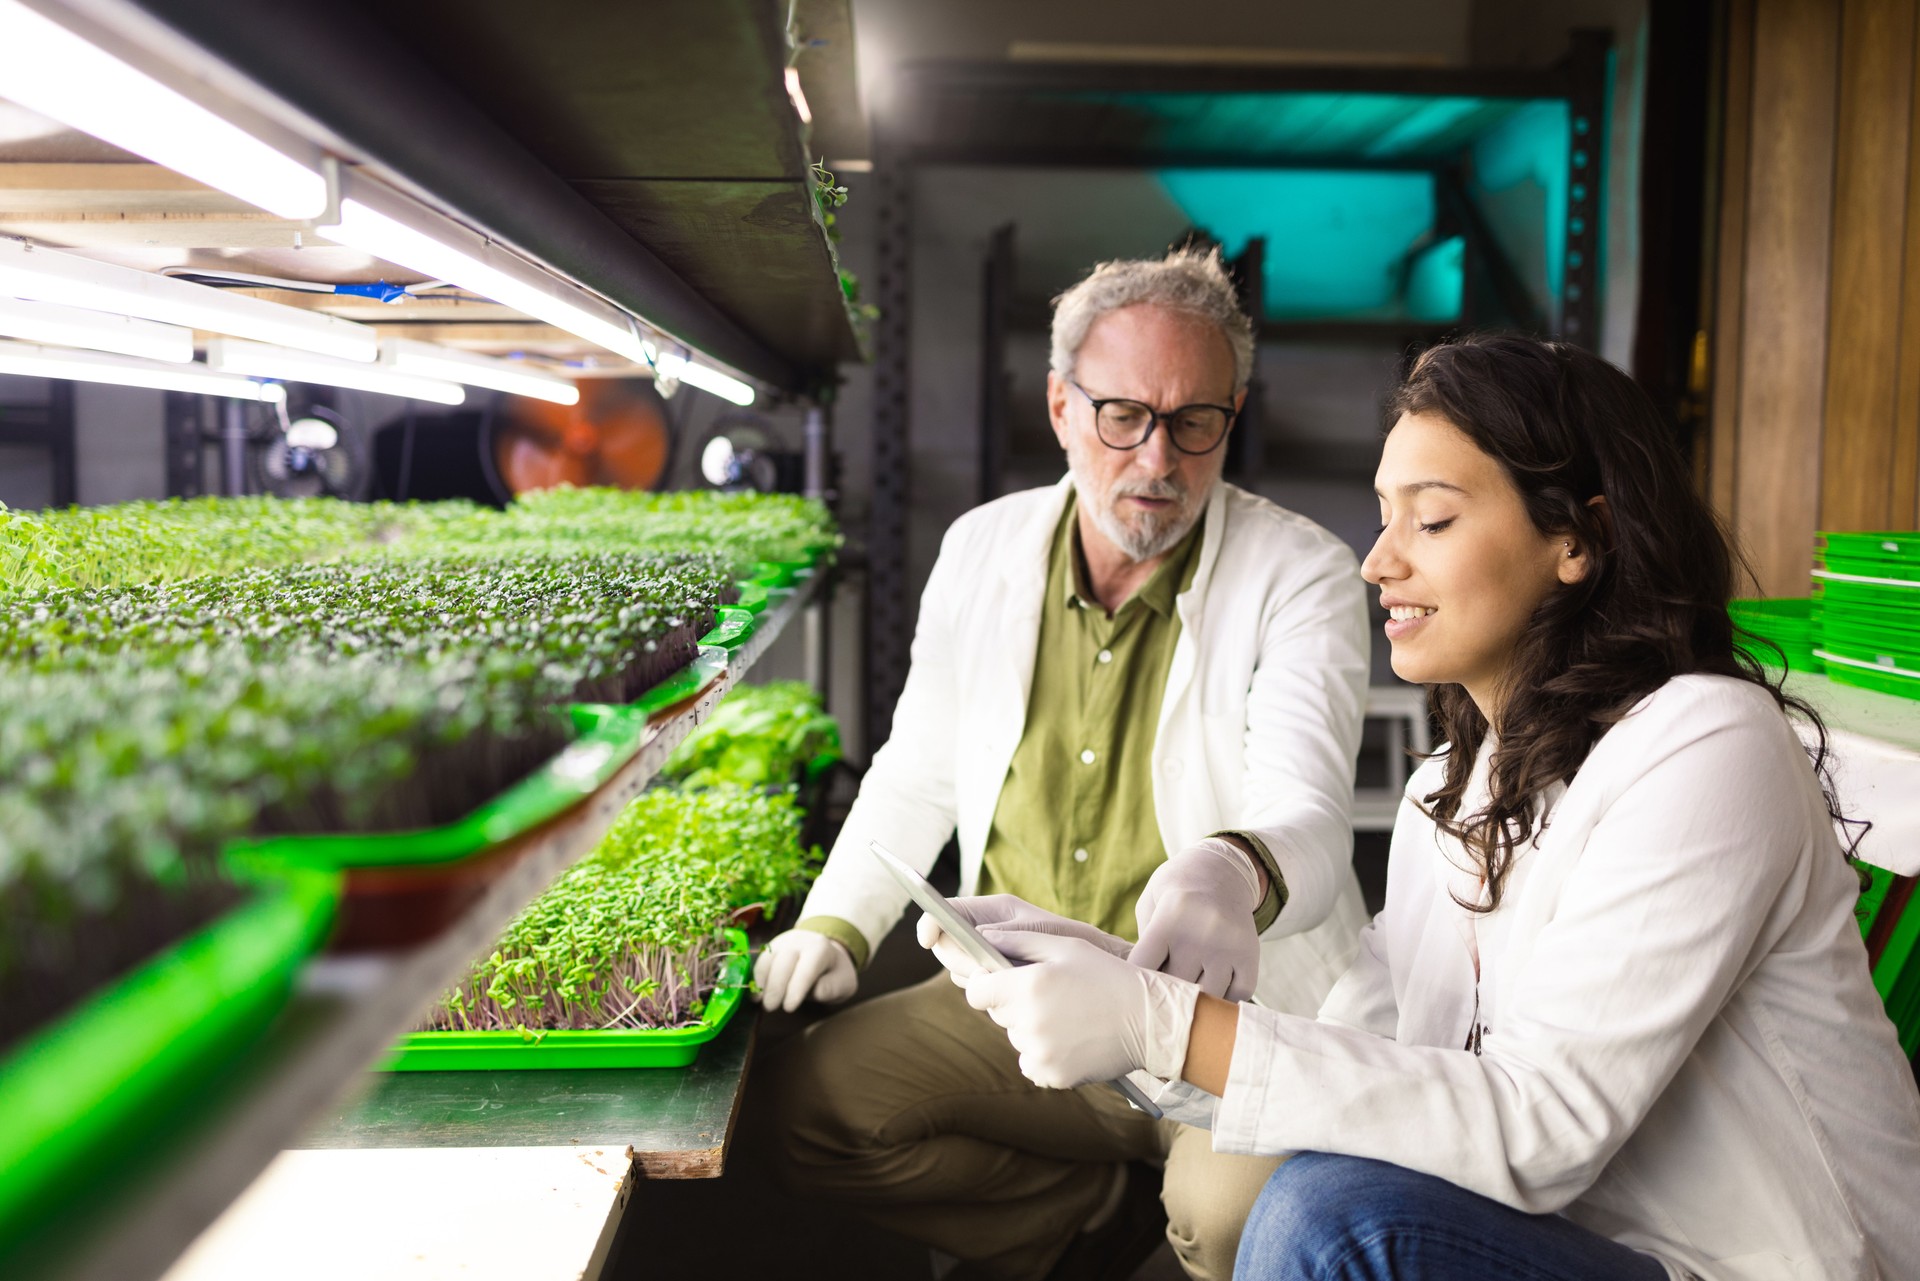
974 944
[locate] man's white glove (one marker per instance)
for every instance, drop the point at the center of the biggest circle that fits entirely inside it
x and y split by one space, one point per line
801 964
1196 919
995 915
1078 1013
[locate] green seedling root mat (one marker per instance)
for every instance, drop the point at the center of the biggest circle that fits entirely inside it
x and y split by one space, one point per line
78 1093
594 1048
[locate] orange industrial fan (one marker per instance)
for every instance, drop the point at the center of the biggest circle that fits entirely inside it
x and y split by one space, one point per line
617 435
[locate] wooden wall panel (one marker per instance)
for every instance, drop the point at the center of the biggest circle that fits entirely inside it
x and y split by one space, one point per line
1904 501
1785 306
1730 241
1869 233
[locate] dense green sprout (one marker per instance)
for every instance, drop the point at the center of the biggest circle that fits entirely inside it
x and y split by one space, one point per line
631 936
119 785
760 735
603 625
143 542
176 674
742 529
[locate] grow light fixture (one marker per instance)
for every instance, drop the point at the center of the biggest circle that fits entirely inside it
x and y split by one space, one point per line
259 360
671 366
63 326
430 360
30 361
48 275
49 69
381 222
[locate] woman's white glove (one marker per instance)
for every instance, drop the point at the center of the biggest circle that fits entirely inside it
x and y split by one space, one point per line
1078 1013
997 914
1196 919
803 963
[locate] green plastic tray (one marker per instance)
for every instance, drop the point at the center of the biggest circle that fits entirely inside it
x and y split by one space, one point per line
1867 674
753 596
604 1048
1890 545
609 737
1880 633
683 684
81 1091
732 628
1867 908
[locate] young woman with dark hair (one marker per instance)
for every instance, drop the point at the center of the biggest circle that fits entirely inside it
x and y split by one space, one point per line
1615 1019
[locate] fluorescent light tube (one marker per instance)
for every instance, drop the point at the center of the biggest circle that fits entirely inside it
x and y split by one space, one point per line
258 360
47 275
672 365
387 225
46 68
29 361
431 360
62 326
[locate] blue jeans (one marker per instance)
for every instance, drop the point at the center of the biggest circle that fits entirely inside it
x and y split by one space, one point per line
1346 1218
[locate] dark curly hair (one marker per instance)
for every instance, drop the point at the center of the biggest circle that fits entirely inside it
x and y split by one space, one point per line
1567 427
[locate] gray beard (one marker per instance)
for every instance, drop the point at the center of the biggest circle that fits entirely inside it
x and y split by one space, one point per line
1151 535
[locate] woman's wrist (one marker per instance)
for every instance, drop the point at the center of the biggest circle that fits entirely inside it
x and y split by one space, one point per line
1210 1043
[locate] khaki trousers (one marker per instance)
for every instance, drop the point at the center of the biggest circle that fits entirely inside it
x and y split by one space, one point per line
911 1108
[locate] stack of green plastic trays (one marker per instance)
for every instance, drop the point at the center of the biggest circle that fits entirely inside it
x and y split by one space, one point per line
1786 623
1866 599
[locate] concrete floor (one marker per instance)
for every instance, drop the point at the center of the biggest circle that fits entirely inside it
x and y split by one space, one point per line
742 1228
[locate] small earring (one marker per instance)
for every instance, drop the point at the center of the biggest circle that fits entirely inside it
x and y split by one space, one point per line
1569 547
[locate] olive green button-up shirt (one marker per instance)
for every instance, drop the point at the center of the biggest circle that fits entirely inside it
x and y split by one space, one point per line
1074 830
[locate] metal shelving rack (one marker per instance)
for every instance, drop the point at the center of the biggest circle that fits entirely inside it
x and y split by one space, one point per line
345 1012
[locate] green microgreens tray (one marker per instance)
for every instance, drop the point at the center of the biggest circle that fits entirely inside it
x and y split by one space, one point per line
85 1088
609 737
597 1048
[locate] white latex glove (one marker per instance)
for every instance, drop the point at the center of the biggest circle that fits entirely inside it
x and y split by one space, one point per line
1078 1013
1196 919
801 964
994 914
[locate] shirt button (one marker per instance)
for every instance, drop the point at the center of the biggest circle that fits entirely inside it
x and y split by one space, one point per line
1079 856
1106 656
1086 757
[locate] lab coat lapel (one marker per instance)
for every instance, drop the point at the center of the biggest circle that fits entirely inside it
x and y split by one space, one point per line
1006 670
1172 803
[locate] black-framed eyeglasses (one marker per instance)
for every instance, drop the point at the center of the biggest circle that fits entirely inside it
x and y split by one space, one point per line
1126 424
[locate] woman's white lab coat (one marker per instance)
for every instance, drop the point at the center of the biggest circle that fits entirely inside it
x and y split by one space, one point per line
1681 1047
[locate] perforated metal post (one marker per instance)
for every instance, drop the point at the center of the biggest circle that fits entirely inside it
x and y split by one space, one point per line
1586 69
815 633
889 619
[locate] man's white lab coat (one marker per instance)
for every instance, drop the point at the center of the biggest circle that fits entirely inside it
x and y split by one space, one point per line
1258 729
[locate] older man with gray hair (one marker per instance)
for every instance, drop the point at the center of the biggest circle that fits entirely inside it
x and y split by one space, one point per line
1136 696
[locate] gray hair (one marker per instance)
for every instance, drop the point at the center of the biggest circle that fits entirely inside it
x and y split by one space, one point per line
1186 280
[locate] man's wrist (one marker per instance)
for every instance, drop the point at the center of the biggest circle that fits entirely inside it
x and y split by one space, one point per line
845 933
1274 895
